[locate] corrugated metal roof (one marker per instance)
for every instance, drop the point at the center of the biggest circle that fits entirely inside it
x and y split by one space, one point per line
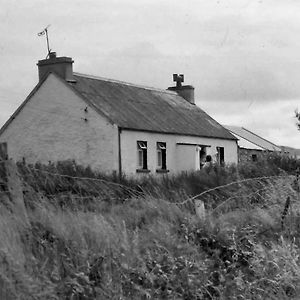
243 143
250 140
147 109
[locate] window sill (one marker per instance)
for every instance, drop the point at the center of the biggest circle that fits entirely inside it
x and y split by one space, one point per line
143 171
162 171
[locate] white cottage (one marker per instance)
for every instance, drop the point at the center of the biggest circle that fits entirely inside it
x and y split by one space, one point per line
113 126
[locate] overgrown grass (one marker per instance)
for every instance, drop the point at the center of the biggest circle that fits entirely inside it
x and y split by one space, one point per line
111 238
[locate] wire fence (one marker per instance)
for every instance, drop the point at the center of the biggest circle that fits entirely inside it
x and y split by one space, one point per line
248 193
82 190
77 192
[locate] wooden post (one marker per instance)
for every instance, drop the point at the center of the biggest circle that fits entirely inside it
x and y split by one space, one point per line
3 151
200 209
12 186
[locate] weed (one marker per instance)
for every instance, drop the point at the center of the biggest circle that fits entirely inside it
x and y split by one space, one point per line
94 236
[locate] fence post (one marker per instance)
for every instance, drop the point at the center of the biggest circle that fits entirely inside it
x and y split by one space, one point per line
3 151
297 183
200 209
12 185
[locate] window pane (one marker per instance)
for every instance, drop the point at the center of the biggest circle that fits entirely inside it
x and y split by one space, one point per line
163 159
159 159
142 145
161 146
145 163
140 158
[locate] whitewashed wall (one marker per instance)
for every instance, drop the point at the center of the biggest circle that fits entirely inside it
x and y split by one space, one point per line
51 127
179 157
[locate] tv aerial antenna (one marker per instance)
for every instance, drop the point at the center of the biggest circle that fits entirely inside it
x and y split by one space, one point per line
45 32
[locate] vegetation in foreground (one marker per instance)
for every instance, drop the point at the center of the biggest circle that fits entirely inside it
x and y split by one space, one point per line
105 238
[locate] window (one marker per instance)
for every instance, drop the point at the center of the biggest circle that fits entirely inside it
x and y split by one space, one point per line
220 155
161 155
142 155
254 157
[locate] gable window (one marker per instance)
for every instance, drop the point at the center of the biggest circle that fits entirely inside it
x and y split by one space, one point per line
220 155
161 155
142 155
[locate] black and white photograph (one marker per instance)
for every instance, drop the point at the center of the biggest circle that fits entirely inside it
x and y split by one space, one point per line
150 149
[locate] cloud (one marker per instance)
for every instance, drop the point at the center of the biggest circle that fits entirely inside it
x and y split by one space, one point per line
273 121
248 78
242 56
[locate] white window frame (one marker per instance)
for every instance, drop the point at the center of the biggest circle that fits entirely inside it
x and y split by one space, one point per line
161 148
141 152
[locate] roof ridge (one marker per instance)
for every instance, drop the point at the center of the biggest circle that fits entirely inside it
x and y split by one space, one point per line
232 126
125 83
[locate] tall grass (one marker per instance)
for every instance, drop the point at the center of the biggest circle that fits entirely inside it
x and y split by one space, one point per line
112 238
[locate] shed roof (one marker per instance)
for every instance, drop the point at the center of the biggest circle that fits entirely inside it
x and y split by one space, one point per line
250 140
147 109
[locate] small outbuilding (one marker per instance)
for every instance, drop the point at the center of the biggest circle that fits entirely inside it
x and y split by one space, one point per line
251 147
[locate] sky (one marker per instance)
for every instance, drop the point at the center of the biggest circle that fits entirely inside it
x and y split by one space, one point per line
242 56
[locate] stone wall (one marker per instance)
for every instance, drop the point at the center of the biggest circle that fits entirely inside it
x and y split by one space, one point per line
251 155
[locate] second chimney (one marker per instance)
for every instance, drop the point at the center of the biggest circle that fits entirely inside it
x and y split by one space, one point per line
62 66
185 91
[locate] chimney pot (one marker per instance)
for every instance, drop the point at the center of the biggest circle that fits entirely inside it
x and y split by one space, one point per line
185 91
52 55
62 66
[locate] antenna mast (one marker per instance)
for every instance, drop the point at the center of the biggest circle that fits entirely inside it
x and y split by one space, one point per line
45 31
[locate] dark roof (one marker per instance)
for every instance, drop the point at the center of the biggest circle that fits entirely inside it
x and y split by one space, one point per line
147 109
245 134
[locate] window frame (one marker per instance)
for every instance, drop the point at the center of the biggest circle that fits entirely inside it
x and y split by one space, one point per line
161 154
142 160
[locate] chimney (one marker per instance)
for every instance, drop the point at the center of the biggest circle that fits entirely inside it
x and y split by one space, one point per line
185 91
62 66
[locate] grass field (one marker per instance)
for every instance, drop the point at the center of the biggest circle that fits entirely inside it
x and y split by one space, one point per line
91 236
